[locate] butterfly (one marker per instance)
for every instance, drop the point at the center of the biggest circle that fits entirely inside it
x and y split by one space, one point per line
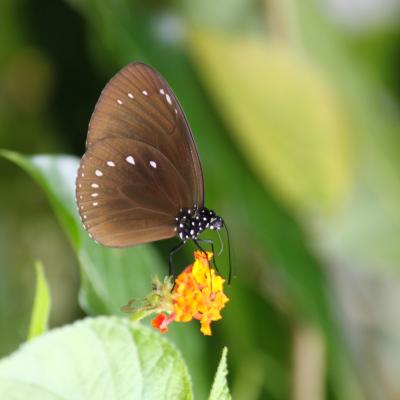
140 179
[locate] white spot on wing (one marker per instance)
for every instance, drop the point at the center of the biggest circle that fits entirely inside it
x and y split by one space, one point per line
162 91
168 98
111 163
95 203
145 92
119 101
94 185
95 194
130 95
153 164
130 160
82 174
98 172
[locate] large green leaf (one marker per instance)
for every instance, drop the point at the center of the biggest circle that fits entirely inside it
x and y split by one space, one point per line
109 277
102 358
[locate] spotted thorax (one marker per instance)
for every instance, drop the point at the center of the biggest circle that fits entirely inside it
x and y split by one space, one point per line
191 222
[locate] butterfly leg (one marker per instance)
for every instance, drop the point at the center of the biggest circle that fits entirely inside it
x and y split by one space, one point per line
171 255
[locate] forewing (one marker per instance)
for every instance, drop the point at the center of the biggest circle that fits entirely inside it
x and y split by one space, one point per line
138 104
128 192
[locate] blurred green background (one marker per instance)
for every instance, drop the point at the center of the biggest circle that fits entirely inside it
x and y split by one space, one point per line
295 110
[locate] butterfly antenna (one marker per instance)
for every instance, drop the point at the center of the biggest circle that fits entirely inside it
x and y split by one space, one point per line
221 244
229 255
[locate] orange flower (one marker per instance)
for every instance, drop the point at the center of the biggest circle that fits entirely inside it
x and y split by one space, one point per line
197 294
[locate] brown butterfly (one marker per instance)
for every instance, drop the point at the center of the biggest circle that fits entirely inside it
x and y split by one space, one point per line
140 179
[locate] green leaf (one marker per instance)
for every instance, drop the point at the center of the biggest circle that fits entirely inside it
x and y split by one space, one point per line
41 304
101 358
110 277
220 390
285 115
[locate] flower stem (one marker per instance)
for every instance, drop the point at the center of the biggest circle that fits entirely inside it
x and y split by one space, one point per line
138 315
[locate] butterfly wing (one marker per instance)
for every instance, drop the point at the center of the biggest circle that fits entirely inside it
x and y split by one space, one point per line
138 103
141 165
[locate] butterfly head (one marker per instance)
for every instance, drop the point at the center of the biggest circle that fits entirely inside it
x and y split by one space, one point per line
212 220
216 223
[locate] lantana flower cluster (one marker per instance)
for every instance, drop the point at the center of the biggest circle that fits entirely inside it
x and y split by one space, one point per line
197 293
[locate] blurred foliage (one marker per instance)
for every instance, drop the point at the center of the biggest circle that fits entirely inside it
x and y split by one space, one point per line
109 277
296 117
309 169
